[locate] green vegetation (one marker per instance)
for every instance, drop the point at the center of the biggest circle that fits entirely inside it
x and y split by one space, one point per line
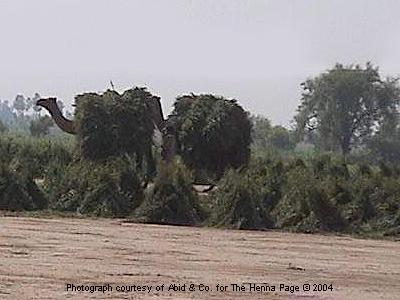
172 199
3 128
41 126
238 203
337 171
19 192
345 105
113 188
268 140
23 116
213 133
113 125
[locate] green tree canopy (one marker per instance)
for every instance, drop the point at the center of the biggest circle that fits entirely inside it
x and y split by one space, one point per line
345 105
213 133
3 127
264 135
261 131
41 126
19 104
281 138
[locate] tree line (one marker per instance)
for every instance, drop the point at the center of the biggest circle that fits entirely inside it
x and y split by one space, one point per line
24 116
343 109
347 109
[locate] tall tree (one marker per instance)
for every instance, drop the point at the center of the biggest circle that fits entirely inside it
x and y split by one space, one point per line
281 138
3 127
61 105
345 105
6 114
265 136
36 97
19 104
261 131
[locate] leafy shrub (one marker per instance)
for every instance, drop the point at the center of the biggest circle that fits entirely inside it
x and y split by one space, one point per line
32 156
238 203
172 199
376 201
305 205
112 188
19 192
270 177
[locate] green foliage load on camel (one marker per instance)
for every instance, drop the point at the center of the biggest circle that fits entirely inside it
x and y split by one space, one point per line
113 124
114 134
213 133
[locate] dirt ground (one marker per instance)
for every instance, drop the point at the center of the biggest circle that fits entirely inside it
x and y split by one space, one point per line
40 257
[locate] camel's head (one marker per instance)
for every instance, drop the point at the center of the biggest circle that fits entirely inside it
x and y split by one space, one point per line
47 103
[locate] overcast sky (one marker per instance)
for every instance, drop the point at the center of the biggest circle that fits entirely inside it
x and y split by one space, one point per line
255 51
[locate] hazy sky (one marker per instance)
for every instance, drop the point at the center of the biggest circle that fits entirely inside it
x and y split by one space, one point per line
255 51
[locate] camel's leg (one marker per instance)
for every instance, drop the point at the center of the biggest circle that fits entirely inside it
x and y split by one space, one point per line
150 163
168 147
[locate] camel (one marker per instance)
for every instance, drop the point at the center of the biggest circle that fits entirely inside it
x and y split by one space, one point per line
168 135
166 127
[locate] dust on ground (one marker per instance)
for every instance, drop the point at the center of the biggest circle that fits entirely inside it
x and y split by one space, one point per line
39 257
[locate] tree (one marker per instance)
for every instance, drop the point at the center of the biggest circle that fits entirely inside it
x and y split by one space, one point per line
3 127
60 105
28 104
265 136
41 126
281 138
385 144
261 131
36 97
213 133
345 105
19 104
385 148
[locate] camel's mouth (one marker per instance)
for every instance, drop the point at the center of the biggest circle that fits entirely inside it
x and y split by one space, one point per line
46 101
40 102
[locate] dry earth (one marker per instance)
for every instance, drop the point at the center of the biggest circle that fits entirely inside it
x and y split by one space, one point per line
39 257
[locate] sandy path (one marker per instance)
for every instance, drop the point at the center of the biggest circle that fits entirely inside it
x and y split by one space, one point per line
39 257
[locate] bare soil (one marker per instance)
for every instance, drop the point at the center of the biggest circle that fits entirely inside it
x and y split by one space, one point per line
39 257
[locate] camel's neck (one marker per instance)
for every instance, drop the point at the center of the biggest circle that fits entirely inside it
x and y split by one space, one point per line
159 121
64 124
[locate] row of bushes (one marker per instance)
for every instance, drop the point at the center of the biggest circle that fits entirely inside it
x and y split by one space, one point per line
45 174
23 160
317 194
